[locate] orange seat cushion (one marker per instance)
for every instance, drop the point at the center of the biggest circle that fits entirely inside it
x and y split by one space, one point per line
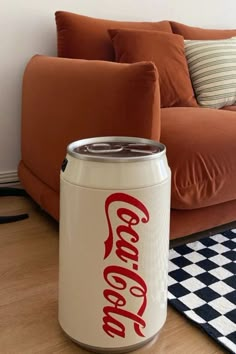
201 150
84 37
190 32
230 108
166 50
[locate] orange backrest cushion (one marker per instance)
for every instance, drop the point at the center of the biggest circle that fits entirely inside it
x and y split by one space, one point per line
166 50
189 32
85 37
70 99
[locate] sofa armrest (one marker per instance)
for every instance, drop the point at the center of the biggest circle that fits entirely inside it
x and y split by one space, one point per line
65 100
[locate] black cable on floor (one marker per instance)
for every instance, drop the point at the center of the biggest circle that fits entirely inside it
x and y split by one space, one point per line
6 192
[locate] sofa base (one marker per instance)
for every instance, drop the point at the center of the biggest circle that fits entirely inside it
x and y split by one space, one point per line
183 222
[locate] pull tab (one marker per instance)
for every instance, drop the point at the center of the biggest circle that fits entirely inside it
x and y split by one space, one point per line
142 148
103 148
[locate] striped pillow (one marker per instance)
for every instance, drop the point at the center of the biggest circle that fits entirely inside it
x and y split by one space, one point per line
212 68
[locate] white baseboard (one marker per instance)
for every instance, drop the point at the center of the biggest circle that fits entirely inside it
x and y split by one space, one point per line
9 177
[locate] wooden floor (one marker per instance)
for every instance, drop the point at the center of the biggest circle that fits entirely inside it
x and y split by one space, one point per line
28 293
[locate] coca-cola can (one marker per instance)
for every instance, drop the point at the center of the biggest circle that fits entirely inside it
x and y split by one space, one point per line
114 242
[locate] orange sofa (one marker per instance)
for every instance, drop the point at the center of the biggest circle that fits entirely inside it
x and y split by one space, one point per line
84 93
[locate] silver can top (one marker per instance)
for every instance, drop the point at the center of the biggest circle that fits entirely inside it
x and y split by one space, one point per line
116 149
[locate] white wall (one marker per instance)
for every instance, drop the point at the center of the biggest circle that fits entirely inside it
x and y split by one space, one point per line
27 28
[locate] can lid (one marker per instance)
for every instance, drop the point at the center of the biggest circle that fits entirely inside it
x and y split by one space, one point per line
115 149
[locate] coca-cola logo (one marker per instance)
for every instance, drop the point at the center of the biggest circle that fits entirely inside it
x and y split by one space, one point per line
123 242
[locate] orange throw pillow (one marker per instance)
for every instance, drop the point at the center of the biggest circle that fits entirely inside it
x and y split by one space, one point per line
84 37
189 32
167 52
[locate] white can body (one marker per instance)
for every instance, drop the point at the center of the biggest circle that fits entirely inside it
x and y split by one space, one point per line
114 241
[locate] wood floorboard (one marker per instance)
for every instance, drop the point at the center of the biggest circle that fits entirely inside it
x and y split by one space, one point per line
28 293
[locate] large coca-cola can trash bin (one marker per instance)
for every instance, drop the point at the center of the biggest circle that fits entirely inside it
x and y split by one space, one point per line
114 241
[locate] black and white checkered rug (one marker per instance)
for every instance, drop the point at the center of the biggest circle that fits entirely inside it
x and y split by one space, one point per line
202 285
